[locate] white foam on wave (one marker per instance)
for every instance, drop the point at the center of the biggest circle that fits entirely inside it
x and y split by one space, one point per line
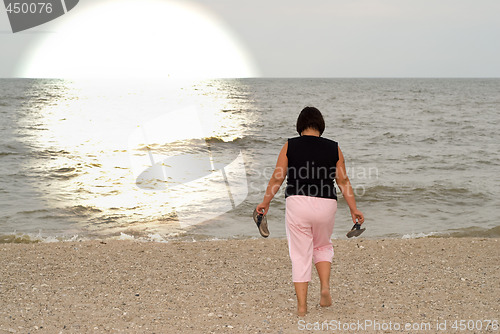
29 238
40 237
124 236
152 237
156 237
419 235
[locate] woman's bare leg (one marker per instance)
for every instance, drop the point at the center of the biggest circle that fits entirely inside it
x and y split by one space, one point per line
301 292
323 269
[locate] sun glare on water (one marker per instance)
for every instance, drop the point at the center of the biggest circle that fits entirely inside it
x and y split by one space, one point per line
111 137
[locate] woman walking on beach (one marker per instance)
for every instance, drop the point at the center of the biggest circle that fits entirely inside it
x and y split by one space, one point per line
311 164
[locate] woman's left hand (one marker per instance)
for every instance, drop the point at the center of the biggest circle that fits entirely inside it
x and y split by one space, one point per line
357 215
262 208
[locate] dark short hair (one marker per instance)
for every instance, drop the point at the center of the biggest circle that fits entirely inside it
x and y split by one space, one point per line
310 117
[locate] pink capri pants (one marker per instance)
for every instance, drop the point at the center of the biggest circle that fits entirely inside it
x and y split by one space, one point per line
309 225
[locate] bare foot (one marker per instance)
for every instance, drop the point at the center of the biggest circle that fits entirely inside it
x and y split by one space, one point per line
301 311
326 299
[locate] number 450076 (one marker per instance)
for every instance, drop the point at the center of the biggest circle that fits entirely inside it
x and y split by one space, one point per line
29 8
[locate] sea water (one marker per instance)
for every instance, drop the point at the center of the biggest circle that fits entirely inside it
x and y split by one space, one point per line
422 155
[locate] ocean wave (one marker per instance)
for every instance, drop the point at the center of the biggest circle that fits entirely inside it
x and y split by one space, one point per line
438 192
31 238
222 139
466 232
478 232
2 154
83 210
391 137
64 173
152 237
419 235
192 146
178 147
13 147
70 211
429 140
28 212
196 141
48 153
223 146
416 157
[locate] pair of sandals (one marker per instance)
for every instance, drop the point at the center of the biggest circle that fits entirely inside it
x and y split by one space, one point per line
261 222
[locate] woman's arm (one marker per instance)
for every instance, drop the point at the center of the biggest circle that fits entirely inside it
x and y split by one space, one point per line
346 189
276 180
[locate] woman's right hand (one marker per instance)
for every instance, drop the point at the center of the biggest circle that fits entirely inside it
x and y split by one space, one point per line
263 208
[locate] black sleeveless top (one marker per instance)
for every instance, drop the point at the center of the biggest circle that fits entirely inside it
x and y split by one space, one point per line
312 163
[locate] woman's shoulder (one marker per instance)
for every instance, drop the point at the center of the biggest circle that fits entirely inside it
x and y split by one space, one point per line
328 140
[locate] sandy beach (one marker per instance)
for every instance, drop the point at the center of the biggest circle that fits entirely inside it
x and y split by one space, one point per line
244 286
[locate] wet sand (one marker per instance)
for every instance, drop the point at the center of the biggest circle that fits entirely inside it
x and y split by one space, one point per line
244 286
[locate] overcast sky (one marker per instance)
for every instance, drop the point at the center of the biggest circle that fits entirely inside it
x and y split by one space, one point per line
349 38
